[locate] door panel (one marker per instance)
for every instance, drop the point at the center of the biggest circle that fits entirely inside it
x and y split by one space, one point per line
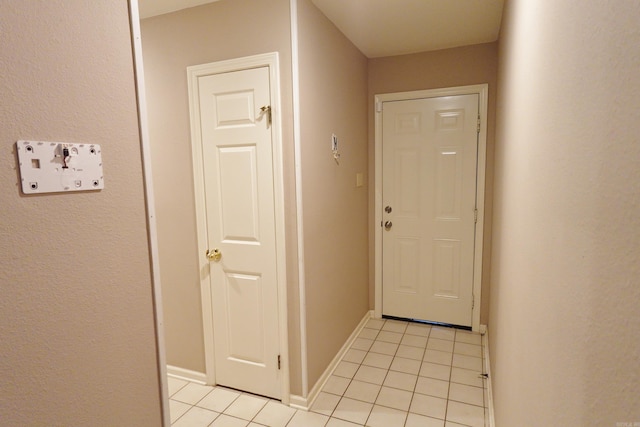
429 150
239 191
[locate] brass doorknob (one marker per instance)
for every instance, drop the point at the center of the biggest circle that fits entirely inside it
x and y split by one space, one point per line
214 255
388 225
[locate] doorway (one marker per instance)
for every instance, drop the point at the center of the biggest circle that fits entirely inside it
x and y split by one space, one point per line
235 126
429 160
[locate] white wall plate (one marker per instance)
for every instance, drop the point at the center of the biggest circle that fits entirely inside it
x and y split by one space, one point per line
54 167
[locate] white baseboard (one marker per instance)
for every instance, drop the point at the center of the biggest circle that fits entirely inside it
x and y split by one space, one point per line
300 402
186 374
487 370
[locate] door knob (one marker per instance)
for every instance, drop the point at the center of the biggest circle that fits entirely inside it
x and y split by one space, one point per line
214 255
388 225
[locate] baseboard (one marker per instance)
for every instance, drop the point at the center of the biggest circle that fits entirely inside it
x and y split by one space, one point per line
487 370
186 374
300 402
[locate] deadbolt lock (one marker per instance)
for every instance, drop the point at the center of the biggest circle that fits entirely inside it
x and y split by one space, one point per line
388 209
267 110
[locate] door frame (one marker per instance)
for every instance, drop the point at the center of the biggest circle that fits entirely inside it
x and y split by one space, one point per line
482 91
269 60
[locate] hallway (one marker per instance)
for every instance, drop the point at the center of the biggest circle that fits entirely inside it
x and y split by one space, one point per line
394 374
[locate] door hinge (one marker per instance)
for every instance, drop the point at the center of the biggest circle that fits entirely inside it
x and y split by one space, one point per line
478 128
278 362
475 216
473 301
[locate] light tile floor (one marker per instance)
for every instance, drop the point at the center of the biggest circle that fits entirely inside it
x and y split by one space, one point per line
394 374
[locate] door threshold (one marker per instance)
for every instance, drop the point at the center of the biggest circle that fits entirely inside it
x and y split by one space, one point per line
427 322
237 390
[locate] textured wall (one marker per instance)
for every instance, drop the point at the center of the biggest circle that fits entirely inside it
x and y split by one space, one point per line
76 317
333 96
566 277
214 32
430 70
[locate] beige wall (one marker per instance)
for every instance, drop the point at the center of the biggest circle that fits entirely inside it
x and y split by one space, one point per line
430 70
222 30
566 277
76 313
333 96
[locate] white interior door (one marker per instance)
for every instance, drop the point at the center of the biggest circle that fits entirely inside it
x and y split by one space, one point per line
239 191
429 161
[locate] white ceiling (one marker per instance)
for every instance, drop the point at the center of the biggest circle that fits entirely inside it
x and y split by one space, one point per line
392 27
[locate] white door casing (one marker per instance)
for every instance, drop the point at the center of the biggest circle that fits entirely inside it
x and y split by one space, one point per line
428 264
238 180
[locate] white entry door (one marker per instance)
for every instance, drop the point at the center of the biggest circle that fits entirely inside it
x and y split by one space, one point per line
239 191
429 161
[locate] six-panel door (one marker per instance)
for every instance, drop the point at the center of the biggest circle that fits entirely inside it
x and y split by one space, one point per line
239 188
429 186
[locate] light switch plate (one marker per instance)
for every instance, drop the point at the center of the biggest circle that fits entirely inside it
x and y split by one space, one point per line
53 167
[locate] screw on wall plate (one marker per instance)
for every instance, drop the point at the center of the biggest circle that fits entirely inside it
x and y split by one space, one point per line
33 185
29 148
96 183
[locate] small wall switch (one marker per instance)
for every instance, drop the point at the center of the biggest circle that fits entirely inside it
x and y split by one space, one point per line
359 179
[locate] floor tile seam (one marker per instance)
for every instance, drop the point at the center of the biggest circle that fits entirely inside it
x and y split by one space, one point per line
267 400
238 418
469 385
414 346
404 372
442 339
438 363
175 392
371 412
342 396
413 392
449 399
244 419
225 408
183 414
430 395
468 355
468 343
194 406
417 413
382 385
441 351
344 419
391 407
416 335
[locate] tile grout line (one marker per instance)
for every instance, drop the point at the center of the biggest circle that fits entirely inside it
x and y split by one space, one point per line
413 393
350 380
